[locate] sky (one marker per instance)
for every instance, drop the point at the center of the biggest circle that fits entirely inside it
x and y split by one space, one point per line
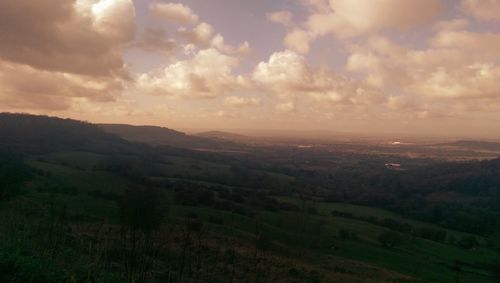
427 67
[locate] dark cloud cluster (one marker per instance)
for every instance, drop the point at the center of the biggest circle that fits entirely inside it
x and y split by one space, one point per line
54 50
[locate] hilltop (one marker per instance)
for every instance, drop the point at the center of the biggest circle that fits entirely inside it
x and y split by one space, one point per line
161 136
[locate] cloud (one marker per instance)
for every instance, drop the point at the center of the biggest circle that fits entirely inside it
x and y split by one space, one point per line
155 39
225 114
244 48
238 101
55 53
190 39
473 81
24 87
351 18
201 35
455 24
298 40
174 12
83 36
219 43
285 107
354 17
287 73
207 74
485 10
280 17
456 65
483 44
113 19
316 5
403 102
284 71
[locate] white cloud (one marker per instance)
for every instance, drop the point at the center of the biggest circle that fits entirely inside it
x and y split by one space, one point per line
284 71
288 73
355 17
219 43
473 81
174 12
200 35
480 44
457 65
280 17
244 48
298 40
208 74
350 18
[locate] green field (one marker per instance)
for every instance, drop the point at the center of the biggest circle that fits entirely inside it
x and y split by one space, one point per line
307 236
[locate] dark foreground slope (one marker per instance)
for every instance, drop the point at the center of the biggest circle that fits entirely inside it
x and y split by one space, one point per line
83 205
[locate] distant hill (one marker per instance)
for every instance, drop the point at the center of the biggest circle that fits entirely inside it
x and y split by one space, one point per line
37 134
40 134
478 145
220 135
161 136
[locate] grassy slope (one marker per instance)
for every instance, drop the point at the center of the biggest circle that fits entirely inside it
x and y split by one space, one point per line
316 243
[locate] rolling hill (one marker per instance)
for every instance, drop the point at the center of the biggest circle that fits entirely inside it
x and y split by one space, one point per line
39 134
69 197
160 136
225 136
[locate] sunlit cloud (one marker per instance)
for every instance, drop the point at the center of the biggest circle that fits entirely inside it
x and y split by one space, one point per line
349 18
280 17
175 12
288 73
208 74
